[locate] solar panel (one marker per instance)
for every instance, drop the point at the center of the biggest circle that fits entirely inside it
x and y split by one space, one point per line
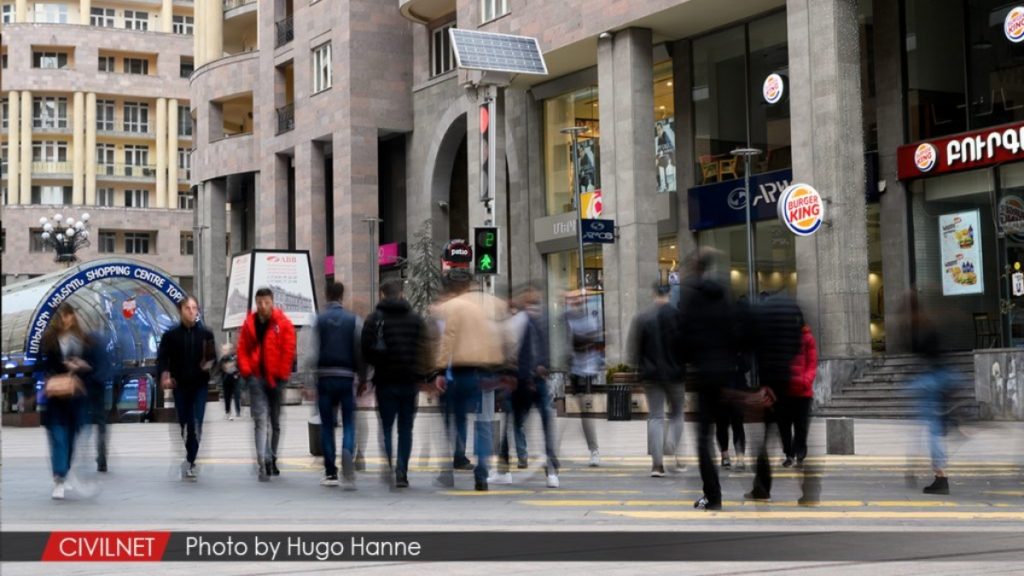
497 52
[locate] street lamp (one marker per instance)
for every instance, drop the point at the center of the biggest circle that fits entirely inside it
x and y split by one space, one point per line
65 236
574 132
746 153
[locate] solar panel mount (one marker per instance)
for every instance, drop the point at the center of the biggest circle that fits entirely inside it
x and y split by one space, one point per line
490 52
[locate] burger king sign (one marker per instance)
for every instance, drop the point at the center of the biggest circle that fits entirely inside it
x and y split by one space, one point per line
925 157
774 88
801 209
1013 26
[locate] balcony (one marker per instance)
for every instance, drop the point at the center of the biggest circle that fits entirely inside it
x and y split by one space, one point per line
424 11
286 118
52 168
285 31
126 171
232 4
39 128
136 134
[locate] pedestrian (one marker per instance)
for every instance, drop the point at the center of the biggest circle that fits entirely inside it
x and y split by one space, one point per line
585 361
96 381
655 349
471 347
710 339
231 387
395 342
266 352
730 417
799 398
63 350
337 333
184 359
529 333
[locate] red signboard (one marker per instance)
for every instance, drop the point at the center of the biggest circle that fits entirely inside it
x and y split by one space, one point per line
387 254
965 151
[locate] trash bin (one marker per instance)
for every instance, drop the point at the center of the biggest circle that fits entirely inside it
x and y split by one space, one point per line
620 402
316 448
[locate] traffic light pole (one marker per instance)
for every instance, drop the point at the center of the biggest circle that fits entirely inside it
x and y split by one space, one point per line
574 132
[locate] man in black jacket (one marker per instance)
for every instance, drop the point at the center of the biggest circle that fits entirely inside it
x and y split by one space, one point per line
655 349
184 359
395 343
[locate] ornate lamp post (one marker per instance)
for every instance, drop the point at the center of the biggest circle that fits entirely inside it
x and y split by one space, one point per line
65 236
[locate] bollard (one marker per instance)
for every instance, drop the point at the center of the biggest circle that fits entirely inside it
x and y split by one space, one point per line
839 436
316 447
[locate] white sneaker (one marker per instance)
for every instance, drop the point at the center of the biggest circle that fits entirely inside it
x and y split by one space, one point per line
58 490
595 459
499 478
348 484
191 472
329 480
552 480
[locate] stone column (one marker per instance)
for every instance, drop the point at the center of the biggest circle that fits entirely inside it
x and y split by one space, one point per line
626 91
271 206
166 16
26 147
214 29
84 12
199 34
78 149
682 81
310 209
161 153
355 198
172 153
21 10
14 167
210 263
90 148
828 153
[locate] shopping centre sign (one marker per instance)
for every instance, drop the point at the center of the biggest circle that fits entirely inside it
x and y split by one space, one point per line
965 151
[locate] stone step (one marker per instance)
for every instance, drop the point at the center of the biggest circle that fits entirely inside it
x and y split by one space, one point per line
883 394
902 379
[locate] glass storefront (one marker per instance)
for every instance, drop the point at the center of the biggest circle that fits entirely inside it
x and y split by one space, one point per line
665 131
578 108
563 276
775 257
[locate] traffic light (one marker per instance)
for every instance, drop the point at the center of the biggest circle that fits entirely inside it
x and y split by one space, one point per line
485 252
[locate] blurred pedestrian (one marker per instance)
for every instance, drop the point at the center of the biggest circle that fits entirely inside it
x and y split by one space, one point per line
63 348
96 381
395 342
266 352
799 399
933 389
229 381
585 361
184 359
731 414
655 349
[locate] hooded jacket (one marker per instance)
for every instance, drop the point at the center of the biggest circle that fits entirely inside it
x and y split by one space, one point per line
708 325
655 345
805 367
273 358
405 355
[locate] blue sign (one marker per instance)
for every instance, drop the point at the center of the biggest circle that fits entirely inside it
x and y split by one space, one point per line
724 203
598 231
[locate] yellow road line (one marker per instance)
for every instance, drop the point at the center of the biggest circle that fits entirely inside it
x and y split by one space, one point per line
760 504
549 491
812 515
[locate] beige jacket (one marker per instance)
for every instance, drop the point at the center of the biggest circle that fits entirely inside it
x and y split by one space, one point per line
472 335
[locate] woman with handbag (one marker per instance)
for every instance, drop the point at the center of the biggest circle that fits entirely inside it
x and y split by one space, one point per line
63 347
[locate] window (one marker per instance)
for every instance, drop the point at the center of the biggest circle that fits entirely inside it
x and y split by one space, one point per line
136 242
184 121
3 112
187 244
491 9
577 108
136 66
105 162
102 17
185 201
106 64
136 20
51 13
3 236
136 117
7 14
107 242
441 57
184 164
105 197
35 240
322 67
51 194
135 156
104 114
187 67
49 151
136 198
3 61
3 159
50 60
49 112
183 25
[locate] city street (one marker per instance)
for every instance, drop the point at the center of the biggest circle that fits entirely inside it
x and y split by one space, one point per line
867 492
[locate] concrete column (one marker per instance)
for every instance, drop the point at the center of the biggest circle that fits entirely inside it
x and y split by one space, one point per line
210 264
310 208
214 29
13 151
682 81
524 125
626 91
26 147
828 153
161 153
172 152
90 148
21 10
272 204
199 34
355 198
78 149
84 11
166 16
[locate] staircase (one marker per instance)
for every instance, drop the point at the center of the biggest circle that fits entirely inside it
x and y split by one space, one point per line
883 390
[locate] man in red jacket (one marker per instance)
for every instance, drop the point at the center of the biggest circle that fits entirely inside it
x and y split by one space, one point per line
266 351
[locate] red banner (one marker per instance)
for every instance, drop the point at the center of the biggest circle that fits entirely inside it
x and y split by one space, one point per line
964 151
106 546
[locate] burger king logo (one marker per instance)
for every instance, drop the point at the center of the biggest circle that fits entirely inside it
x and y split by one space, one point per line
773 89
925 157
1013 26
1011 217
801 209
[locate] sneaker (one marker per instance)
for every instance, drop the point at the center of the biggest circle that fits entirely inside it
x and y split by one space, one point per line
101 467
704 504
463 465
360 462
500 478
191 472
231 418
349 484
658 472
808 502
726 462
273 468
595 458
261 472
445 480
401 481
680 466
523 464
799 463
757 494
227 416
939 486
787 462
329 480
741 463
552 480
480 486
58 490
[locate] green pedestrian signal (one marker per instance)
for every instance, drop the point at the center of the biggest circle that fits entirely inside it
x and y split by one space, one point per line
485 252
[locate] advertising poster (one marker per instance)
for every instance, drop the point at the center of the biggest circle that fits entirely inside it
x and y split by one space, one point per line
960 245
665 154
289 275
237 304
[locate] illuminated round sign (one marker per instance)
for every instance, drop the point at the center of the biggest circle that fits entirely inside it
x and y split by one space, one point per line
925 157
801 209
1013 26
774 88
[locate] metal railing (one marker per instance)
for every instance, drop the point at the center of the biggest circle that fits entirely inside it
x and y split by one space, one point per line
51 168
231 4
131 171
285 31
286 118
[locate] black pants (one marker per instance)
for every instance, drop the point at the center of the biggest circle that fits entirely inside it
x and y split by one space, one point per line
794 421
730 416
98 416
397 401
708 402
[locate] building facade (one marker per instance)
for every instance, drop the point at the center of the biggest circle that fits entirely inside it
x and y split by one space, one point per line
96 120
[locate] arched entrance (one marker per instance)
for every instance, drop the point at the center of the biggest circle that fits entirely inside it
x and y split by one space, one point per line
449 181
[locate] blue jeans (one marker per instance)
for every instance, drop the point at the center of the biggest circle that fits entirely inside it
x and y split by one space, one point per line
931 389
63 419
190 403
464 395
530 393
331 391
397 401
265 406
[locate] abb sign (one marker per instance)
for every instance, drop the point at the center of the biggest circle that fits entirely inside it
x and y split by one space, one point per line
965 151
